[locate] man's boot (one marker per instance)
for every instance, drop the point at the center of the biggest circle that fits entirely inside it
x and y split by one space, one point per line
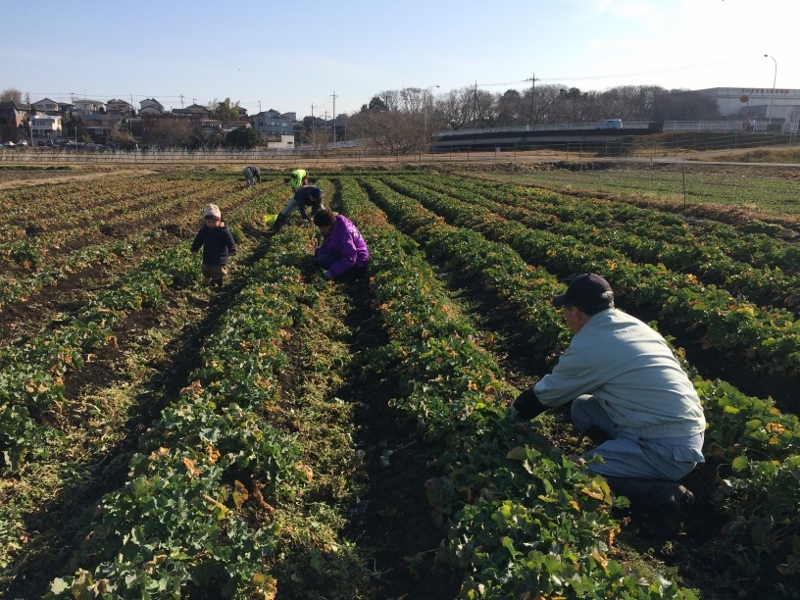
660 503
279 221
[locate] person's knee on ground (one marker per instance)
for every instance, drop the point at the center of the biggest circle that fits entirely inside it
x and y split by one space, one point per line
324 261
591 420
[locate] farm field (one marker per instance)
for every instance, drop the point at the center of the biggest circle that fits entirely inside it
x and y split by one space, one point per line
285 437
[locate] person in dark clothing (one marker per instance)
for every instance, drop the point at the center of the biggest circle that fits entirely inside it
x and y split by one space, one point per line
307 196
217 242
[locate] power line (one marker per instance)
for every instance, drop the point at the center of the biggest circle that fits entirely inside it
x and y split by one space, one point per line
628 74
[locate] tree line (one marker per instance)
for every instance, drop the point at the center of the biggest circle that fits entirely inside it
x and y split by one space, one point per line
402 120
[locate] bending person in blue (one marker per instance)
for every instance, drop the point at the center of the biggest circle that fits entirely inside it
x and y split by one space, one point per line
631 397
305 197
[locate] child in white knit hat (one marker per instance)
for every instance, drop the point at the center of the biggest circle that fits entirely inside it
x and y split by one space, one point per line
217 242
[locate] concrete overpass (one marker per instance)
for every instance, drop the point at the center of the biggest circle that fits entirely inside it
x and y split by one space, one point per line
570 136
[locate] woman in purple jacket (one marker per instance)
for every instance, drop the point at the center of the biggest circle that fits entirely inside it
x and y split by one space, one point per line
343 250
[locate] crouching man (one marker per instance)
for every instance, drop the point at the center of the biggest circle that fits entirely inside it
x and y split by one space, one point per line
631 397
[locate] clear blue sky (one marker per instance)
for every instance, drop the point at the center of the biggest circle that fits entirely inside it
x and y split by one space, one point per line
292 55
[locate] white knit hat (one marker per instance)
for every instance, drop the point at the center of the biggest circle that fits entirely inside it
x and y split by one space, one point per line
212 210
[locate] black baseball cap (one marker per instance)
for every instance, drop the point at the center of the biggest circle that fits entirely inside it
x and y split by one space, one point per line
587 291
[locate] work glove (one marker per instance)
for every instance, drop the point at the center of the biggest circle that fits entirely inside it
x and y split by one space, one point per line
327 275
528 406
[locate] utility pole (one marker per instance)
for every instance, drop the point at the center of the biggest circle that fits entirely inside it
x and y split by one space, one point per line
313 122
181 101
533 89
475 107
334 116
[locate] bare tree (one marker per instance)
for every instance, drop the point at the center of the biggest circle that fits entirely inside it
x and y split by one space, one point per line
471 107
455 109
393 131
170 133
484 108
11 95
542 107
390 99
318 139
411 100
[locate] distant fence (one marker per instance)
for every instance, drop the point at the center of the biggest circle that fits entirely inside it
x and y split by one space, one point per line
345 154
731 126
551 127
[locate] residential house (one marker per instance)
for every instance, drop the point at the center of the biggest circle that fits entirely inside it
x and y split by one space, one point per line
193 109
151 106
118 107
13 114
286 142
87 107
12 117
238 124
211 126
47 107
272 124
310 125
100 126
46 127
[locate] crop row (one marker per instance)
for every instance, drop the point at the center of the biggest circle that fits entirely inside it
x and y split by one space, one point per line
744 243
210 501
49 270
203 504
750 434
650 236
57 208
517 516
32 252
182 520
768 337
31 375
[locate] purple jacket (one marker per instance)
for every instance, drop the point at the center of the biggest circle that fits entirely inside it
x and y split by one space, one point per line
344 241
